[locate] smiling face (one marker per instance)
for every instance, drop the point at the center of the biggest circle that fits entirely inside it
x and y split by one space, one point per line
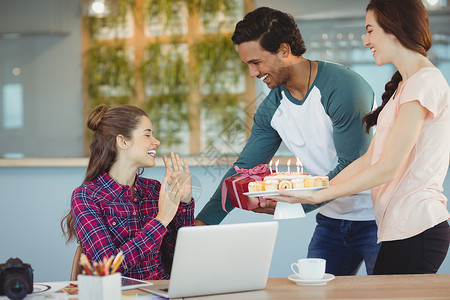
142 146
383 45
262 64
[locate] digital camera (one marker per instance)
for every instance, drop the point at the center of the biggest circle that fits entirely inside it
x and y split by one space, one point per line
16 279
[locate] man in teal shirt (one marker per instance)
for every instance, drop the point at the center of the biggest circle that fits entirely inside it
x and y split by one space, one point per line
315 108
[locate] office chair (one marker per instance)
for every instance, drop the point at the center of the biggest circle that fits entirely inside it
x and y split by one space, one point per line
76 266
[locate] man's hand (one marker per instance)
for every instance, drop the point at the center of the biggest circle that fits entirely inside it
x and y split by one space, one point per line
267 207
197 222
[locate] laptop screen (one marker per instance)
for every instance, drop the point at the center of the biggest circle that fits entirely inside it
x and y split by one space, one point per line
219 259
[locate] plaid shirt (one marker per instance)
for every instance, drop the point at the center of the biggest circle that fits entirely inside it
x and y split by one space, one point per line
107 220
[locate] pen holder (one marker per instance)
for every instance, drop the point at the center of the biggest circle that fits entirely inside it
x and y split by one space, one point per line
100 287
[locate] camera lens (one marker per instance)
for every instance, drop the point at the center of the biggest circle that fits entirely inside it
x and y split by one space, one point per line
16 288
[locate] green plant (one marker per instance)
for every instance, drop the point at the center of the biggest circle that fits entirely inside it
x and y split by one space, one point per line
219 67
113 22
168 69
110 74
166 10
209 10
164 72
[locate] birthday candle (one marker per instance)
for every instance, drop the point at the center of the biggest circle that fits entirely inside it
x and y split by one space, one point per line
289 165
276 165
270 166
299 164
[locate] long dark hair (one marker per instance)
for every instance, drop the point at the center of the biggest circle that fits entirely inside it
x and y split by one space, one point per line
107 125
407 20
272 28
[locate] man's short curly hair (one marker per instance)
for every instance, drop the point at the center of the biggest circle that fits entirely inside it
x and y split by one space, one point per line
272 28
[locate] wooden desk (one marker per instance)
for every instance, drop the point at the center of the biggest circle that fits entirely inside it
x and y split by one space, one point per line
430 286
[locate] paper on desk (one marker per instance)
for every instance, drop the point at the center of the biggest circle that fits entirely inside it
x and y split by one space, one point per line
142 297
47 290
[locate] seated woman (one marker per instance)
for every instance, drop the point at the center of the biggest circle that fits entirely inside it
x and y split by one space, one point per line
115 209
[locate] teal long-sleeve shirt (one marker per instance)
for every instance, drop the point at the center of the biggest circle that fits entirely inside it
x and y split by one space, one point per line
323 130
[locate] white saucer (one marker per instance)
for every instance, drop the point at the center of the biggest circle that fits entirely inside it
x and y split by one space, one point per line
327 277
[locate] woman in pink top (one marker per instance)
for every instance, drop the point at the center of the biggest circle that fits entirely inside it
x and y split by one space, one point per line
407 161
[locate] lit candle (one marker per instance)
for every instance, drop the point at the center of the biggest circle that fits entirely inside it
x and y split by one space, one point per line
276 165
270 166
289 165
299 164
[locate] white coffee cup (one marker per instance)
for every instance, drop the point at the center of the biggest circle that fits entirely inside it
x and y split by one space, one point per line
309 268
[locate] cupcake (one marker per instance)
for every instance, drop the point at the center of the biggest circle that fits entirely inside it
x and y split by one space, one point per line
309 182
298 183
325 180
256 186
285 185
317 181
271 185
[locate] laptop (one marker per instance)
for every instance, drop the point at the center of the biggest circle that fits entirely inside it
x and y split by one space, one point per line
218 259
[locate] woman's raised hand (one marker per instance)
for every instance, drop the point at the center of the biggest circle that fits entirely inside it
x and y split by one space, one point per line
175 187
182 173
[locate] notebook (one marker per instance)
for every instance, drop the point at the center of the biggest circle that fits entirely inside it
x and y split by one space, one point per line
132 283
218 259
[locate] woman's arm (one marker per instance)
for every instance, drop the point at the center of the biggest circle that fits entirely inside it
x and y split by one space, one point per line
183 218
398 146
185 212
95 231
176 188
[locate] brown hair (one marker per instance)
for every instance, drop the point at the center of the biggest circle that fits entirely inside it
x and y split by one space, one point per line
407 20
272 28
107 125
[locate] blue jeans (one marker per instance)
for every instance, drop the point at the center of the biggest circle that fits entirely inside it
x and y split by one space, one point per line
344 244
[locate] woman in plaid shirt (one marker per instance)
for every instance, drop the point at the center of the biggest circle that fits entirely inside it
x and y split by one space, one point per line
115 209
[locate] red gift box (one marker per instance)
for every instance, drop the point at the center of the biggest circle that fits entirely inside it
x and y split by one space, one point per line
237 185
